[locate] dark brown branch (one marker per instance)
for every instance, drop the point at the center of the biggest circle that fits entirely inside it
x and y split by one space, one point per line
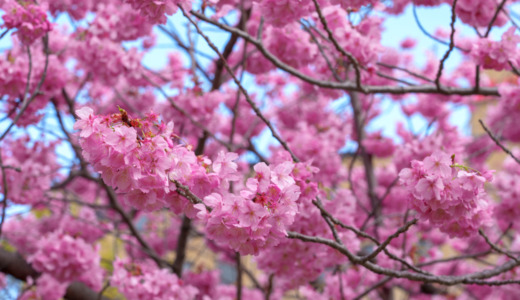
186 193
416 17
228 49
239 276
422 77
182 242
450 46
495 16
5 191
15 265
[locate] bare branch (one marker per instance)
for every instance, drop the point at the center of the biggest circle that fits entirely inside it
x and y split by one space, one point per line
450 46
490 26
128 221
499 144
15 265
5 192
242 89
388 240
186 114
496 248
349 86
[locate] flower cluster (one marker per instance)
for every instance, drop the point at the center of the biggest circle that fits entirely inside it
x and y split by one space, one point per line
259 216
283 12
139 158
155 10
145 281
30 20
107 60
496 55
508 210
134 156
67 259
31 170
76 9
361 41
503 117
290 44
375 143
46 287
479 13
447 194
119 22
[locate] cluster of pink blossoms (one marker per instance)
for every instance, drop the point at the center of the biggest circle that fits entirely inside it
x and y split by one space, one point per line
506 183
31 170
46 287
503 117
496 55
258 217
145 281
155 10
107 60
136 157
282 12
68 259
139 158
119 22
448 195
479 13
30 20
362 41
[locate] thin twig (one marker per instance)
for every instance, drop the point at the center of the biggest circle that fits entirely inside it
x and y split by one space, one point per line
128 221
242 89
338 47
495 16
349 86
186 114
499 144
186 193
239 276
5 192
388 240
450 46
496 248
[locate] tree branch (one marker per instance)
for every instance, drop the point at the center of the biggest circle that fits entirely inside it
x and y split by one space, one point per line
15 265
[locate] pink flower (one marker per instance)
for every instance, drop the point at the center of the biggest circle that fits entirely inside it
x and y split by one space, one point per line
145 281
263 175
408 43
87 121
450 198
439 163
30 20
123 139
429 187
250 214
64 257
225 166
